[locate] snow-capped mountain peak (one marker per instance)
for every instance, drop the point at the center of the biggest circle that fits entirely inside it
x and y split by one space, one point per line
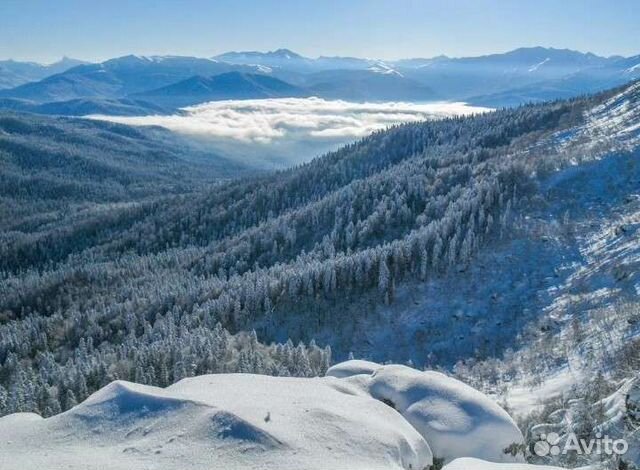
535 67
633 68
382 68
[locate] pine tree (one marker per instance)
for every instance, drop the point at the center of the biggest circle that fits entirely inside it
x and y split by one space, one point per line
52 405
4 401
82 391
384 281
70 400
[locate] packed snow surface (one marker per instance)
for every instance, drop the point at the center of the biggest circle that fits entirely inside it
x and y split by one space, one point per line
227 421
361 416
476 464
455 419
353 367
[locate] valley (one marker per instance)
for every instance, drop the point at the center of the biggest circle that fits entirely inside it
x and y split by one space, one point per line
451 270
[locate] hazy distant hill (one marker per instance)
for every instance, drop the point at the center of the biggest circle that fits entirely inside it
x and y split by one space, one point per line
523 75
280 58
227 86
363 85
612 72
511 78
85 106
55 161
14 73
117 78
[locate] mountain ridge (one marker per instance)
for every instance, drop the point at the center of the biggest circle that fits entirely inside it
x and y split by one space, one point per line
14 73
494 79
226 86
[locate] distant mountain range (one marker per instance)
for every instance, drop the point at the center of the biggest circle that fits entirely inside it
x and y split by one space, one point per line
372 84
226 86
85 106
134 84
117 78
14 73
287 60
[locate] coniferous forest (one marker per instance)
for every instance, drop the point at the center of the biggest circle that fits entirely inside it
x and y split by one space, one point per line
149 263
288 236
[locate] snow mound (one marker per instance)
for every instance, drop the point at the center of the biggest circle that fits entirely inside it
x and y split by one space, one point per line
476 464
122 397
455 419
124 401
320 420
19 418
353 367
229 421
362 416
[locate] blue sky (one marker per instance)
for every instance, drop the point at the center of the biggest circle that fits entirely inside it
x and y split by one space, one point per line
44 30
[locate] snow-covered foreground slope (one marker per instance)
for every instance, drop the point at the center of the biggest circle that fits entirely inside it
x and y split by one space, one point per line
217 421
241 421
476 464
455 419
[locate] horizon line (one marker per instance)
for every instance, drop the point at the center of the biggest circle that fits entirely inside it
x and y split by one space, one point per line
302 55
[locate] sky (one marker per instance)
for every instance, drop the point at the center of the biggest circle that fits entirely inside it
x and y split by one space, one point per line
45 30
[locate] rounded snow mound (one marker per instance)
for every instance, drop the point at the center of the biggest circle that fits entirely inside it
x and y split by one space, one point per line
351 368
363 416
122 397
476 464
229 427
454 418
16 419
230 421
320 422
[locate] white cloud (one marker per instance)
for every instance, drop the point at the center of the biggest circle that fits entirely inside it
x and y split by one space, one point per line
272 120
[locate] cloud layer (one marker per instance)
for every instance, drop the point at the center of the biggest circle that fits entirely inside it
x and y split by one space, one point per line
270 120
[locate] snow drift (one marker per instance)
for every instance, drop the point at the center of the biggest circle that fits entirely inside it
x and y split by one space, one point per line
476 464
455 419
361 416
227 421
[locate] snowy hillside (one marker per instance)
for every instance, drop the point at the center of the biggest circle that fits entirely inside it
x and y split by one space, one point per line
502 248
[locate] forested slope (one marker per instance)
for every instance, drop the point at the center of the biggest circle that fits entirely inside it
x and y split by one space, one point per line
141 290
62 176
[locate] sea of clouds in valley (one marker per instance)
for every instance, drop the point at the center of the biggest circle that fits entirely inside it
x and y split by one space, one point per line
290 130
